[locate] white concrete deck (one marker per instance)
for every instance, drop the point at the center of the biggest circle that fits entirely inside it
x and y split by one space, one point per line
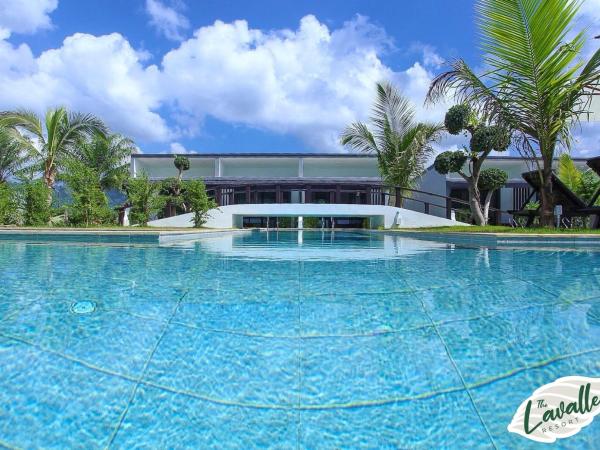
386 216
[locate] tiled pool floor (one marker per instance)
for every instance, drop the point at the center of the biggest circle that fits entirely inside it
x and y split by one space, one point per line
434 347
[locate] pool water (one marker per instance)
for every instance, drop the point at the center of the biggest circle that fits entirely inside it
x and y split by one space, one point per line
288 340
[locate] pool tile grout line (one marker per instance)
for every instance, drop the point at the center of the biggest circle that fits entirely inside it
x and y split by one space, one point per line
457 370
6 446
142 373
330 406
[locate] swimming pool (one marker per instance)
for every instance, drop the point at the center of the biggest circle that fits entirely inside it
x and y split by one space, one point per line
288 340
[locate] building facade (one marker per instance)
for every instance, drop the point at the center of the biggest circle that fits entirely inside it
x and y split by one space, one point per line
259 178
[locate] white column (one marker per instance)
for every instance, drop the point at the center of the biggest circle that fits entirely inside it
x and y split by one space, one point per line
133 167
300 222
301 167
218 167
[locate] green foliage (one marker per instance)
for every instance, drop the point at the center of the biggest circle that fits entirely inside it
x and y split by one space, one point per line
12 154
182 163
487 138
195 196
583 183
450 162
310 222
108 155
55 138
145 199
458 118
7 203
402 145
90 205
171 190
492 179
568 172
37 208
532 206
590 183
535 80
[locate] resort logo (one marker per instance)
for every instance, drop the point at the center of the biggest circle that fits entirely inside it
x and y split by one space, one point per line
558 410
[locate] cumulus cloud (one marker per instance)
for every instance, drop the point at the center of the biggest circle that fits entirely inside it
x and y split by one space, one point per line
25 16
309 82
167 20
102 75
179 148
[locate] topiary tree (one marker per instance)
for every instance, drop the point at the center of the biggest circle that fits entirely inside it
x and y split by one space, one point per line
489 181
484 139
172 187
182 163
194 194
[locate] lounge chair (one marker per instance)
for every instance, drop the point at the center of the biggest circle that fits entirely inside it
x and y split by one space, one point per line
572 205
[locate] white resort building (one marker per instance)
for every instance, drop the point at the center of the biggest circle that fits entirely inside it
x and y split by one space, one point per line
341 190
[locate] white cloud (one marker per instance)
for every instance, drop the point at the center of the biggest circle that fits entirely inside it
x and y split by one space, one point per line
167 20
177 147
25 16
309 82
101 75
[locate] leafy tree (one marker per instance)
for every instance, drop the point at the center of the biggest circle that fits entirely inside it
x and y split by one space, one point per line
145 199
484 139
54 139
108 155
37 207
489 181
402 146
200 203
536 83
90 205
12 154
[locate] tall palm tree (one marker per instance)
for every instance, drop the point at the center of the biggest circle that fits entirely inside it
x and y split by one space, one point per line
108 155
12 154
53 139
536 82
402 146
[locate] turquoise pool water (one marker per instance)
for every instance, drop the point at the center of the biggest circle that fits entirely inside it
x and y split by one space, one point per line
288 340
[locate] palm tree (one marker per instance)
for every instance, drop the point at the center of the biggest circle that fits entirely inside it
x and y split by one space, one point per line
108 155
12 154
402 146
54 139
536 83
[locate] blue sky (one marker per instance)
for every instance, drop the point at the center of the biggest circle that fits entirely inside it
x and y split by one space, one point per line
238 76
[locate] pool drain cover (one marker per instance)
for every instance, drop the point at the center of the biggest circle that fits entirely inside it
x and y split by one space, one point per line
83 307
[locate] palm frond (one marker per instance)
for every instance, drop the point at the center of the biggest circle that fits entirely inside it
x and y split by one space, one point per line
568 173
23 119
358 136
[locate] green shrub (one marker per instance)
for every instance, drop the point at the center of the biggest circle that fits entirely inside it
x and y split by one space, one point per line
90 205
198 201
37 203
6 203
310 222
145 199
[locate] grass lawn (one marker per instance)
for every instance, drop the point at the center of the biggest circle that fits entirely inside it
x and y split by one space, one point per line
503 229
